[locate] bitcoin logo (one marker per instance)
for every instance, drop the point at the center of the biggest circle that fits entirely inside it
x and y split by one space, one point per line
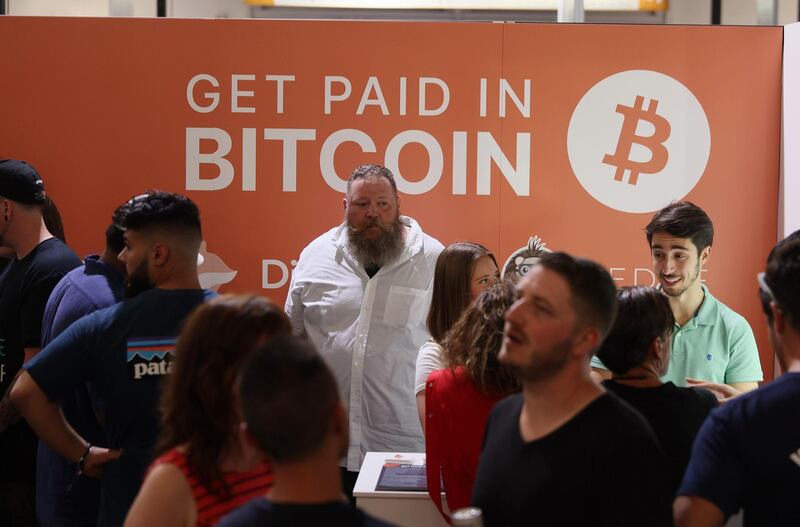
638 140
627 137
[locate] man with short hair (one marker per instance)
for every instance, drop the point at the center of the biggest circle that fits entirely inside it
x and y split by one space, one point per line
38 260
123 350
565 452
361 292
747 453
290 401
98 283
711 342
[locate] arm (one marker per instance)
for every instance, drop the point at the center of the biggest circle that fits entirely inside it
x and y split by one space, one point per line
294 308
421 408
165 500
8 413
743 387
693 511
744 368
715 480
46 419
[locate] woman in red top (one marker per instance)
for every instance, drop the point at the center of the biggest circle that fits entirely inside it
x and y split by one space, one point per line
459 398
205 468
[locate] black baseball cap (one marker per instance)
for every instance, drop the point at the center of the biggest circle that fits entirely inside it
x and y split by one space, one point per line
20 182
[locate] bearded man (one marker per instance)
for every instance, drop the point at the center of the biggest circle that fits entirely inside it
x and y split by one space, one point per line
360 293
124 351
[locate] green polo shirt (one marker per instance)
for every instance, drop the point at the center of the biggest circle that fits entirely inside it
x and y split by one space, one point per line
716 345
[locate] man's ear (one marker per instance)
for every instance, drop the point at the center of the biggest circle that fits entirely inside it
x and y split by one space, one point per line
656 349
778 320
344 203
587 341
705 254
161 254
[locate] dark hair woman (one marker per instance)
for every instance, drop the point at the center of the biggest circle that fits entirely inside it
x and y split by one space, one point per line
637 352
204 468
463 271
460 398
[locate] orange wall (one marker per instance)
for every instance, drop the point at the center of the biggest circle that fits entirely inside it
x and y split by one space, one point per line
100 107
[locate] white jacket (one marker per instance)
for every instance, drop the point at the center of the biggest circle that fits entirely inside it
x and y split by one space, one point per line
368 331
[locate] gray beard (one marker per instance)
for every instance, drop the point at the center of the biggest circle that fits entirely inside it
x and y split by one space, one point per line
380 251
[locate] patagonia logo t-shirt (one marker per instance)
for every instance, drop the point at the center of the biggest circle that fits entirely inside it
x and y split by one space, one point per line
150 356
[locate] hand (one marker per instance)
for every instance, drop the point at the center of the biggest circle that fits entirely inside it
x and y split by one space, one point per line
97 459
723 392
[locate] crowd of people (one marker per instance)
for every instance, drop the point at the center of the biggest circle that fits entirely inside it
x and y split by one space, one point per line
132 396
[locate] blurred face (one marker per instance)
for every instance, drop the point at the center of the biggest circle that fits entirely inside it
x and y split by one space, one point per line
676 263
540 326
371 207
135 256
484 276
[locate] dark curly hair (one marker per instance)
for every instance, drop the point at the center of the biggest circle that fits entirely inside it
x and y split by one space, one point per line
198 401
157 208
475 339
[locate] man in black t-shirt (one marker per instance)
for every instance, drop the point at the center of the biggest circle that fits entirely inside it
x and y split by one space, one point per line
637 351
291 405
38 262
565 452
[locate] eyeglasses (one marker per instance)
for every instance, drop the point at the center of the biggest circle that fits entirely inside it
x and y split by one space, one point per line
762 283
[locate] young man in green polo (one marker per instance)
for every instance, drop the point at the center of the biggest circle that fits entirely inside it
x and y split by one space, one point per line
711 342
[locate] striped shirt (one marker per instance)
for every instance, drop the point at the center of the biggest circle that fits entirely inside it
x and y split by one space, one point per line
243 486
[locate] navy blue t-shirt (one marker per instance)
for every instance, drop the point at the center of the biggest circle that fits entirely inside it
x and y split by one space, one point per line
260 512
124 351
747 455
93 286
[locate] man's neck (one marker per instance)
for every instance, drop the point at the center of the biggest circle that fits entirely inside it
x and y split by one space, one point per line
314 480
550 403
644 376
685 306
30 242
180 275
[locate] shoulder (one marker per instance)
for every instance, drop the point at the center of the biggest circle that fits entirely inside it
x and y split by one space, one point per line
53 255
701 397
619 416
325 242
766 404
731 320
430 245
430 348
320 251
508 409
254 513
165 498
47 266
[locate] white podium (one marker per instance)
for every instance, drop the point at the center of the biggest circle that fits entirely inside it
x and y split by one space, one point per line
406 509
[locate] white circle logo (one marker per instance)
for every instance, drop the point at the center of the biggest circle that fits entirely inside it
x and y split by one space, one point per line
638 140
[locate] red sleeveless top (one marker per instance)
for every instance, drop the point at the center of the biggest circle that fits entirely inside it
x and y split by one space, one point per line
243 486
